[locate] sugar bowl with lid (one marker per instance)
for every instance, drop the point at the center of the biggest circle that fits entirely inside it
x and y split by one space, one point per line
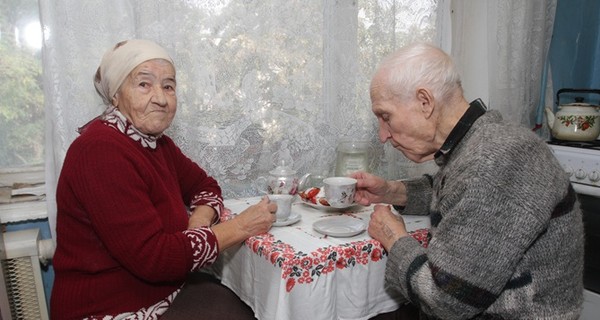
281 180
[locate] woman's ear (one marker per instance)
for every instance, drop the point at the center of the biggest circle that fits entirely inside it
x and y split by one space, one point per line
426 101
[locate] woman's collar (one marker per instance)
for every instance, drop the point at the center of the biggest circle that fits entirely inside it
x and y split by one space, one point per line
115 119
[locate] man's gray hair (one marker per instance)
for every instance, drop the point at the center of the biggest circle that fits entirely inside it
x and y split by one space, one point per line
420 65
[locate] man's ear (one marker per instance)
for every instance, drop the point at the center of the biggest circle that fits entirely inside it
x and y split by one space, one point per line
426 102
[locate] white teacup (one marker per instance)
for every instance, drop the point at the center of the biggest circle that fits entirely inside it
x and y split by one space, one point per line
284 205
339 191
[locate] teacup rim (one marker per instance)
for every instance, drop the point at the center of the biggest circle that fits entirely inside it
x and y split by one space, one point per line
339 181
280 196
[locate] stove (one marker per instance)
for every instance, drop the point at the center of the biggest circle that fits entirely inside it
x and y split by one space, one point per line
595 144
581 160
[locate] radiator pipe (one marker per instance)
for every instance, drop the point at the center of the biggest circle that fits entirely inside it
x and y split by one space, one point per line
46 250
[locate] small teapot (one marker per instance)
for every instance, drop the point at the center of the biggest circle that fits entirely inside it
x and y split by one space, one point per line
576 121
281 180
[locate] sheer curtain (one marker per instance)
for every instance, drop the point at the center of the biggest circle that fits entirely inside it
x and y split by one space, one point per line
264 80
257 80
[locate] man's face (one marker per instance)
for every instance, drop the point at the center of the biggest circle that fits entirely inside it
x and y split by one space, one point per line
404 124
147 97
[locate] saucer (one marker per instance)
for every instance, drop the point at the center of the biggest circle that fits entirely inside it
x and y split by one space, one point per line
315 197
294 217
340 226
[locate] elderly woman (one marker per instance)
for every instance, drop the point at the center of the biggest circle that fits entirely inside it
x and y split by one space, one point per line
135 216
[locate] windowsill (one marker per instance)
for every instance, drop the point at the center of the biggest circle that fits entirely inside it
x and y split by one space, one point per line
26 174
23 211
22 194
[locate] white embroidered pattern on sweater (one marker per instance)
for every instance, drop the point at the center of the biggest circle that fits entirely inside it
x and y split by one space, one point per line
209 199
115 119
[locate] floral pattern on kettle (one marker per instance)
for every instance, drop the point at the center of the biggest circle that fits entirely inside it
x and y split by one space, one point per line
580 122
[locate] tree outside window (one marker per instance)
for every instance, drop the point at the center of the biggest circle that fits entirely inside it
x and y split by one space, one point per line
21 91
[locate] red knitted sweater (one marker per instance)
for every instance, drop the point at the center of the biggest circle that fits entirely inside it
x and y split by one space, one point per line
121 221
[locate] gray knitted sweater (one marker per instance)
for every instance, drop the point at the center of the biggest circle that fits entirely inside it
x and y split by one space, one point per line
506 231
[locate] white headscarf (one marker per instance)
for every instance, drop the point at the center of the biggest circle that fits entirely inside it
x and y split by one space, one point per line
120 60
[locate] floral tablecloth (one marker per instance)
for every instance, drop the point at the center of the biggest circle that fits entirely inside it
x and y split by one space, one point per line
294 272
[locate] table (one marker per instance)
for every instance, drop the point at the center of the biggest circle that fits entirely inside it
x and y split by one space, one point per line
294 272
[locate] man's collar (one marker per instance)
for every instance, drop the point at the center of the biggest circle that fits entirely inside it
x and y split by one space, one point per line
476 109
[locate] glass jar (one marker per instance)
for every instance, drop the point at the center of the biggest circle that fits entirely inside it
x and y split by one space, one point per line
351 156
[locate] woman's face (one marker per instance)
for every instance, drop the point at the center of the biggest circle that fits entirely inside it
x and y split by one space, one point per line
147 97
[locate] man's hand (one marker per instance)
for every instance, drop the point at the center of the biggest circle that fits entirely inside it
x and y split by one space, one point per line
385 227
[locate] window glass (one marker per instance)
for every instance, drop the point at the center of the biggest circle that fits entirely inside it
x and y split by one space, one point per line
21 92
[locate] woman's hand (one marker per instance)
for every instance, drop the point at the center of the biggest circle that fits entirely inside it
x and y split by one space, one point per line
385 227
256 219
373 189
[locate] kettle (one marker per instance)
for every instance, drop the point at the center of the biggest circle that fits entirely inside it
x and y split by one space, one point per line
576 121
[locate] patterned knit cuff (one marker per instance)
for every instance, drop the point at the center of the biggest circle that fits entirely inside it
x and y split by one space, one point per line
205 248
209 199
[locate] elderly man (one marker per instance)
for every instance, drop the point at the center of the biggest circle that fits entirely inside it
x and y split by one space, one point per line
506 237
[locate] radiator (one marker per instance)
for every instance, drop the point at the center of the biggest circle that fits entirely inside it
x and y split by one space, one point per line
24 254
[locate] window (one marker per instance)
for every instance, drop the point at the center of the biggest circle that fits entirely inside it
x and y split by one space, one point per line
21 91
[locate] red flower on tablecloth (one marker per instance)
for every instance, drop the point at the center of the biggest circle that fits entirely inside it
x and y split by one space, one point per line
350 252
274 256
306 262
289 284
362 257
376 255
340 263
255 245
421 235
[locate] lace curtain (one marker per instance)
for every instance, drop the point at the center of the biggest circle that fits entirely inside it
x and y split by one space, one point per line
258 81
501 47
